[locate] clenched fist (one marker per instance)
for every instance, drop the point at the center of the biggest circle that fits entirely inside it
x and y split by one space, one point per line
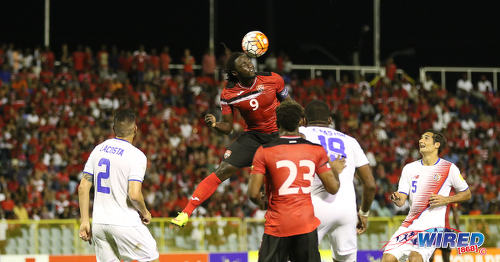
210 120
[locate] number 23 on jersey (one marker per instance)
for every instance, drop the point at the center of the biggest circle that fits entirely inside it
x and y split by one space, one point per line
286 188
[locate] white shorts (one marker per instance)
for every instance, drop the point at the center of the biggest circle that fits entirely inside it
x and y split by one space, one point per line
339 225
401 246
115 243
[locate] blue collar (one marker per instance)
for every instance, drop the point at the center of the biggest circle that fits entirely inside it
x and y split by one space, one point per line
121 139
422 161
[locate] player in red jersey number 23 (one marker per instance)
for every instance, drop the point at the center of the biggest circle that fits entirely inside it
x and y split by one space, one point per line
288 166
256 96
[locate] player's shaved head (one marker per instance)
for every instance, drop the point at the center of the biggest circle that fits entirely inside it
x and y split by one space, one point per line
317 111
124 122
288 114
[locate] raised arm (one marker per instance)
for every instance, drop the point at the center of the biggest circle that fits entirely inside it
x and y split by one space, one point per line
225 126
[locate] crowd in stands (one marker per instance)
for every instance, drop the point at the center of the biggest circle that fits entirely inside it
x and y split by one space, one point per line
56 106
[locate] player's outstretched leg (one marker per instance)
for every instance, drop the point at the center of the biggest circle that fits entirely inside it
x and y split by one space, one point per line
203 191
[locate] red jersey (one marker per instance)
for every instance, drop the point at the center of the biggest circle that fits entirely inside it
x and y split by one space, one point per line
165 61
289 164
78 60
257 104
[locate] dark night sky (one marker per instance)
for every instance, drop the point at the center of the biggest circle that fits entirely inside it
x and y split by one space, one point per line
440 32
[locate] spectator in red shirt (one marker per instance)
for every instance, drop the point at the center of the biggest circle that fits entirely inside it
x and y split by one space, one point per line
165 60
46 75
48 58
8 206
390 68
188 61
208 64
139 64
56 102
78 59
125 61
3 47
154 63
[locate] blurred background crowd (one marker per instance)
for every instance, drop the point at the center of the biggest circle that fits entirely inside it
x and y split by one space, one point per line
55 106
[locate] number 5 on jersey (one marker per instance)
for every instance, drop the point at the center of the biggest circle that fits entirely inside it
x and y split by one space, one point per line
286 188
413 186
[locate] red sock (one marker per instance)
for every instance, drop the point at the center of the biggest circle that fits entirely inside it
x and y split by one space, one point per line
202 192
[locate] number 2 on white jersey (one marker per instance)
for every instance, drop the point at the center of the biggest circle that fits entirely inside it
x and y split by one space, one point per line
285 188
254 104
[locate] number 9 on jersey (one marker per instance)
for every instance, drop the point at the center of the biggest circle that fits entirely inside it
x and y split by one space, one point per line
254 104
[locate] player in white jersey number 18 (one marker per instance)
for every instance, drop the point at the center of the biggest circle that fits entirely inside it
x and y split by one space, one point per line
340 221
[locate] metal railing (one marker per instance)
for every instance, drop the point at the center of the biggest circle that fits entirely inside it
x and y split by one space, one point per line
423 71
314 68
380 71
338 68
204 234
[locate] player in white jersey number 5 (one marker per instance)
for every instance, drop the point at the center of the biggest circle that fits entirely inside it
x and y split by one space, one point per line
427 184
117 169
337 213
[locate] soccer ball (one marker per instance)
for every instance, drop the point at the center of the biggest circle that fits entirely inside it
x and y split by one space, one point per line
255 43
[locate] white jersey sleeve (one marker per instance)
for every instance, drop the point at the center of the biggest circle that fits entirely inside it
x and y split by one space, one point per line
457 181
138 170
404 181
89 165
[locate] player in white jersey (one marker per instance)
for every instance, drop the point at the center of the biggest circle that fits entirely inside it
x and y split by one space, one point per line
337 213
119 216
427 184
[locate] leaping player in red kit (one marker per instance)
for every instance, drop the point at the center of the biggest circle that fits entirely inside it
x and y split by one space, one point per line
256 96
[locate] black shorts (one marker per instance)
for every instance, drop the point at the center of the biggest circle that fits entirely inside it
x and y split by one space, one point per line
240 152
298 248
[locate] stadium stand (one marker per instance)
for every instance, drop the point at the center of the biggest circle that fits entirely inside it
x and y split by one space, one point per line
55 108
